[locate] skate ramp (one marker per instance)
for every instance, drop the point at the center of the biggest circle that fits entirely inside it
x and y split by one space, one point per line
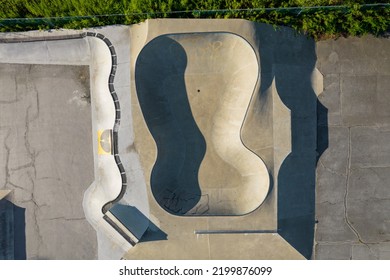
194 91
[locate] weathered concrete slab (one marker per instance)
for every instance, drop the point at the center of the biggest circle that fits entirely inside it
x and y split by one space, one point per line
352 174
330 187
335 160
361 102
46 124
332 226
353 56
333 251
370 147
369 207
371 252
41 51
330 98
328 60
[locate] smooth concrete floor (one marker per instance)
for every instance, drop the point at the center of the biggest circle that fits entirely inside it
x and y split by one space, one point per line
353 174
46 156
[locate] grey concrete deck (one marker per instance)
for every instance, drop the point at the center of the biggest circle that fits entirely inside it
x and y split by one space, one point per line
46 155
353 174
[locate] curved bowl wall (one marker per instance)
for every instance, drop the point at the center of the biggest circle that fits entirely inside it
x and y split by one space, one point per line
194 91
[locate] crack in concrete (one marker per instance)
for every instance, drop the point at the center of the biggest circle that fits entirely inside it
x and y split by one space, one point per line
331 170
352 242
64 218
340 100
23 190
58 179
9 102
371 167
371 251
21 166
266 147
375 199
24 166
16 186
328 202
354 126
353 229
33 155
346 189
7 156
346 242
35 213
16 100
47 51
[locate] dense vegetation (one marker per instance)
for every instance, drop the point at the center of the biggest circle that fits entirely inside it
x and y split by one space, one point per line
351 19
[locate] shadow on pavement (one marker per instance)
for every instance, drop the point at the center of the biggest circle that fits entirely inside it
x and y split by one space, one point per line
290 59
12 231
135 221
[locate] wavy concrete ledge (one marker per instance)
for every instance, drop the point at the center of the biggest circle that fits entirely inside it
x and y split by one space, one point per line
110 178
194 91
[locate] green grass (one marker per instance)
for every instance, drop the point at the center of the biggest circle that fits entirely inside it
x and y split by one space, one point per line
318 23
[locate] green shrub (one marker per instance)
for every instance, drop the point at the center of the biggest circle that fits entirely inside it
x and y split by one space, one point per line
352 19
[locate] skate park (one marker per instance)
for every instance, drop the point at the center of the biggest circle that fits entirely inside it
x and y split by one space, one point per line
206 139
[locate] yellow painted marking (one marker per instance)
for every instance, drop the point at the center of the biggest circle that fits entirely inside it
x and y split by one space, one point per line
104 142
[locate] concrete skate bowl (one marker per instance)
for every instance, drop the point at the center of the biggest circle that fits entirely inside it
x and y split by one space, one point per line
194 91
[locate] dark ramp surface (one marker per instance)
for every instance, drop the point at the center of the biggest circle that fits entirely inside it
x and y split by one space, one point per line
12 231
181 147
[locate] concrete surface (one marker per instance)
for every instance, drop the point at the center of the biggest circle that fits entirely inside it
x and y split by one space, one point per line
108 179
284 127
46 154
272 129
223 246
194 92
352 200
108 182
48 48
